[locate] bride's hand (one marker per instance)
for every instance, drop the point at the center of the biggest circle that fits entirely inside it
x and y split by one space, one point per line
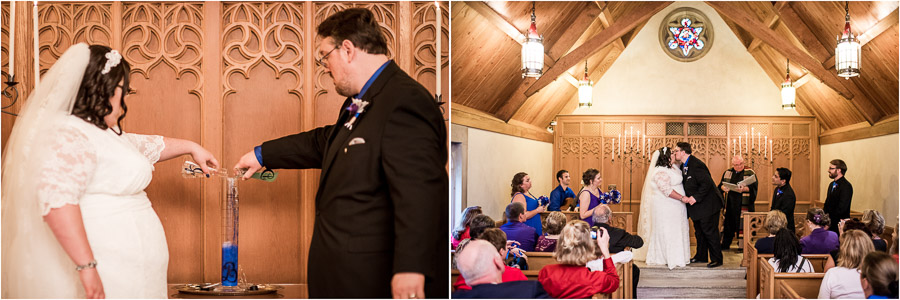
93 287
204 158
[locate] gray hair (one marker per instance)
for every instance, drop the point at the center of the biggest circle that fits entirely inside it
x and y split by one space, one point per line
475 260
602 214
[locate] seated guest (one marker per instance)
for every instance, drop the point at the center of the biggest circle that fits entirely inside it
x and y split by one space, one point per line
783 197
819 240
787 258
878 276
461 231
619 239
875 223
553 224
580 274
843 281
561 192
480 264
515 227
775 221
497 238
479 224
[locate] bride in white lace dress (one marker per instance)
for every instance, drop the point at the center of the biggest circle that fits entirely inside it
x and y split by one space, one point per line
663 221
76 220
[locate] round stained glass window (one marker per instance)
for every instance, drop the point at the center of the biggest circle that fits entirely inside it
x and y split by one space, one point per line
686 34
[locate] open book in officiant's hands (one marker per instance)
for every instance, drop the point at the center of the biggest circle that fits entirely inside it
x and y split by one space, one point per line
740 185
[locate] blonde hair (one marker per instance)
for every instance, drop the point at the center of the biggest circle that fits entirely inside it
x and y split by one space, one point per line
874 221
554 223
775 220
575 246
855 245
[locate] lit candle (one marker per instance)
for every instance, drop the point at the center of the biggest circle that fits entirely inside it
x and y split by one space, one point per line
751 137
626 138
37 58
771 152
437 47
12 38
746 144
733 143
620 141
739 144
766 145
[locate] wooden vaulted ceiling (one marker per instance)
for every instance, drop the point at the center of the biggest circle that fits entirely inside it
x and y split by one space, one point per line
489 93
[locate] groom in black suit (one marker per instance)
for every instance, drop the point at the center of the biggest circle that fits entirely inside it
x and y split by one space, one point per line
704 202
381 205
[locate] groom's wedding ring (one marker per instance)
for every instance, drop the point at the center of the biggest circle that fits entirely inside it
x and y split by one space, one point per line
412 296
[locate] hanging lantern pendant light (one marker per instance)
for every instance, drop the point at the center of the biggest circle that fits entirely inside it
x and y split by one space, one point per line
788 91
585 90
847 54
532 50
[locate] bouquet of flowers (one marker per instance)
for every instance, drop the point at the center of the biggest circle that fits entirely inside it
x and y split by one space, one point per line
543 200
611 197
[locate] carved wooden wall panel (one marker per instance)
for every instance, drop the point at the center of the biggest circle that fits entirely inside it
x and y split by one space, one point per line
712 140
263 54
228 75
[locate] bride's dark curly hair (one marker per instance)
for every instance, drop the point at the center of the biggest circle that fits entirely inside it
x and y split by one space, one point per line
92 103
663 160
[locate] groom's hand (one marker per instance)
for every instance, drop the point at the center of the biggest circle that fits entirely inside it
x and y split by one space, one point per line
408 285
249 162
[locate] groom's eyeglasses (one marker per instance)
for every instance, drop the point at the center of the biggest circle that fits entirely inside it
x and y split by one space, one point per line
321 61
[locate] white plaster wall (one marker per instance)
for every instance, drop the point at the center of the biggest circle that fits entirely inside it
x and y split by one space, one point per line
872 166
644 80
493 160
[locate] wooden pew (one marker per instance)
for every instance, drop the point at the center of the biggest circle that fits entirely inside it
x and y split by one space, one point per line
755 228
624 270
817 261
785 291
803 284
620 219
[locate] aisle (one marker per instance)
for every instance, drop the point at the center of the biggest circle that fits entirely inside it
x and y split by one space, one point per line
695 280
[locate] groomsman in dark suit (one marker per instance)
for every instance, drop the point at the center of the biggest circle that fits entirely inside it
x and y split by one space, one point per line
783 197
839 194
704 203
381 204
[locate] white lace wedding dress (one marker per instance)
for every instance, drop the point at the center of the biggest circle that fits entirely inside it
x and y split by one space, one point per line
106 174
663 221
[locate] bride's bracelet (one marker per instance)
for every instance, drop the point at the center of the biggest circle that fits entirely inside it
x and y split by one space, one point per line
90 265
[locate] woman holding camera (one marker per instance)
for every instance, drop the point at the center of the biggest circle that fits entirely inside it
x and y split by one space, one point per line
580 272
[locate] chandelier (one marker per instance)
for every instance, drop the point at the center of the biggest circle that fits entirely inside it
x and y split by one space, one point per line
788 92
847 54
532 51
585 90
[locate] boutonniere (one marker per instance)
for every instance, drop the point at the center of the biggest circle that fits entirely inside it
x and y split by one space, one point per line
779 192
357 107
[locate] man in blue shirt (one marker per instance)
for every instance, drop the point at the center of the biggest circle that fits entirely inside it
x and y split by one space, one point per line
561 192
515 228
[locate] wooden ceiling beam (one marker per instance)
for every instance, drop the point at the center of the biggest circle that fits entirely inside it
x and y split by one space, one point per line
575 29
596 43
801 30
802 80
869 35
470 117
771 21
847 89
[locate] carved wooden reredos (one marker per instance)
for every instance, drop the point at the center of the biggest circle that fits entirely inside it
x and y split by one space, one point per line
583 142
228 75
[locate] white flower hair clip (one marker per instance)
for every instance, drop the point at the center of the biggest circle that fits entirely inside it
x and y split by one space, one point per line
112 59
665 149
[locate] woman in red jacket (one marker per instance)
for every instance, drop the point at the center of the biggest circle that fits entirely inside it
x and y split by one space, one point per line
580 273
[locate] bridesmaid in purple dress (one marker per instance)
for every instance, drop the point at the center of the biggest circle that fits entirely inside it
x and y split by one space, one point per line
589 196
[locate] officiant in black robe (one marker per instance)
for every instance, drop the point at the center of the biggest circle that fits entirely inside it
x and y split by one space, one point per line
737 201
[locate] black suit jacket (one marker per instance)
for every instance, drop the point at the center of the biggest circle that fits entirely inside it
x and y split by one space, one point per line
381 203
619 239
837 201
698 183
525 289
785 203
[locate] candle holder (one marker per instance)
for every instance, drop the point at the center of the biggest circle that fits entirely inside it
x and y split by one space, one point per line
629 153
753 153
10 91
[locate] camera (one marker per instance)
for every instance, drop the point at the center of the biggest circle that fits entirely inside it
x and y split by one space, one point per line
595 231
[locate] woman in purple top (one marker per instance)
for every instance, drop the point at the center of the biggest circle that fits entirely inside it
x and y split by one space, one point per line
589 196
553 225
820 240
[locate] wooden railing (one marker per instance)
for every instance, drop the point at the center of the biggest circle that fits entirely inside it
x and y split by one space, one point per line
804 284
620 219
